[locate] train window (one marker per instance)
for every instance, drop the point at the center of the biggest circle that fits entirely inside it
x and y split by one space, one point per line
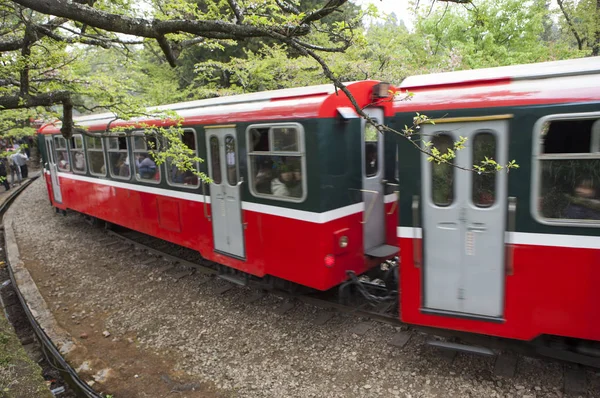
118 158
372 138
77 154
230 157
285 139
95 152
146 169
442 174
184 178
215 160
277 161
62 154
484 185
569 170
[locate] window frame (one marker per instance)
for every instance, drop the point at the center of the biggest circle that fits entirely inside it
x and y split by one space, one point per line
237 163
56 138
72 152
474 176
109 151
87 150
178 185
141 133
301 153
451 164
537 157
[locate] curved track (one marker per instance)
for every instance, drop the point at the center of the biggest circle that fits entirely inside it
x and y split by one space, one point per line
53 355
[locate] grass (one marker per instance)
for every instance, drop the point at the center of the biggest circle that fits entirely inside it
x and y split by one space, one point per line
20 377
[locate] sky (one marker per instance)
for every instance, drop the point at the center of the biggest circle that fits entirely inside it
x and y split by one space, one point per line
399 7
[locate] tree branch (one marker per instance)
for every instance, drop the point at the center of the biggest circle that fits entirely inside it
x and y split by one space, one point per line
571 25
239 14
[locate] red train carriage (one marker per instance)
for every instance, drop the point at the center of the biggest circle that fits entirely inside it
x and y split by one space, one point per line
298 187
514 254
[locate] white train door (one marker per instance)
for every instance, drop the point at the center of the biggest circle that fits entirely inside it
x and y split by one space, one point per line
53 169
464 221
373 188
225 190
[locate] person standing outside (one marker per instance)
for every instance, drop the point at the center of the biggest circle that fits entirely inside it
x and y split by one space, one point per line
20 161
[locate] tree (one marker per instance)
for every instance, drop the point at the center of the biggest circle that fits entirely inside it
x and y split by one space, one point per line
171 25
582 20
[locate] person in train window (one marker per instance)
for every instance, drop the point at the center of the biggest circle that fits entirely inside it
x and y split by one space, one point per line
585 204
146 166
281 184
177 177
63 162
371 159
79 161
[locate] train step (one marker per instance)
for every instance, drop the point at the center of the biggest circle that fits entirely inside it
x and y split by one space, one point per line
233 279
383 251
461 348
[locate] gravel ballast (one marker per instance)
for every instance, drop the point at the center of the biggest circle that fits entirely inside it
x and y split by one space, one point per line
182 336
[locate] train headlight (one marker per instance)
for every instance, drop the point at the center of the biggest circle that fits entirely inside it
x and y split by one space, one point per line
343 242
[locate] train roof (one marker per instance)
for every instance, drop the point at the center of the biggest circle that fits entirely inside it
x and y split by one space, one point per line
543 70
569 81
313 101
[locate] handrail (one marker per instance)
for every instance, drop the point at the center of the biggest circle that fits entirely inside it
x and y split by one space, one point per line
510 248
371 205
206 215
416 224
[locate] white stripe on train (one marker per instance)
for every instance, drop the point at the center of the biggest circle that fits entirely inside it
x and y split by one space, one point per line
521 238
526 238
319 218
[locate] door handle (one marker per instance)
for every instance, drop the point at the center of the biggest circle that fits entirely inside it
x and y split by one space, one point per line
510 247
371 205
240 182
206 215
416 224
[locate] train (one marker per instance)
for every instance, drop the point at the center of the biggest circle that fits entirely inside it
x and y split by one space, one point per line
306 193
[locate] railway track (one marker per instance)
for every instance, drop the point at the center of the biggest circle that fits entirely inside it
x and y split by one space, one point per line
186 262
179 262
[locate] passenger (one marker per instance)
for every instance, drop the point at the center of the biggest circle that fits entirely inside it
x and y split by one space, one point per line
371 159
281 185
177 177
79 161
296 188
20 161
122 165
263 176
585 204
63 163
145 166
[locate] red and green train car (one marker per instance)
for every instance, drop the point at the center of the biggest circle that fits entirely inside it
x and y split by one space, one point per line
304 191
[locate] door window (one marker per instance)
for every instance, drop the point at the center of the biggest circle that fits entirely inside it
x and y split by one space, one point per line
232 177
372 137
442 174
484 184
215 159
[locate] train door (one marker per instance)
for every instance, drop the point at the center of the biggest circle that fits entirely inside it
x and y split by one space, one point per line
373 188
225 190
53 169
464 217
